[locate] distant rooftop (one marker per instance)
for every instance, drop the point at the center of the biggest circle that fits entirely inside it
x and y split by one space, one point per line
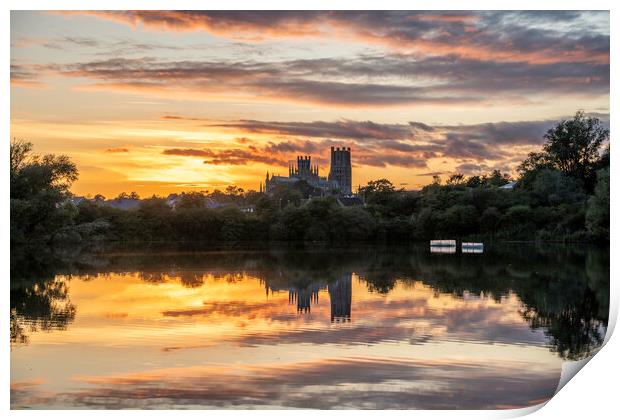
509 186
350 201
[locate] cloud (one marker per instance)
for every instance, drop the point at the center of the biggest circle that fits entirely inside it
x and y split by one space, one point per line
281 153
25 76
272 81
382 160
117 150
228 156
408 145
472 168
506 36
342 129
179 118
81 41
393 135
491 140
189 152
119 46
368 80
479 141
430 174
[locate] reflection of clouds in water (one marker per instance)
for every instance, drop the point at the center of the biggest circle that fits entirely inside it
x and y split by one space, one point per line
415 318
287 309
232 308
323 383
25 393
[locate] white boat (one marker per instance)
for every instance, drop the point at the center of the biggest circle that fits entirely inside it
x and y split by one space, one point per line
443 249
472 247
443 242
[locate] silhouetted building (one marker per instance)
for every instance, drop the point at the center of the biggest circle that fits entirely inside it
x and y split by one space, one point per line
339 179
340 169
303 170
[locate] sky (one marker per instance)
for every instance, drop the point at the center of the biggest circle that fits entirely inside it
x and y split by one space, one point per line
161 102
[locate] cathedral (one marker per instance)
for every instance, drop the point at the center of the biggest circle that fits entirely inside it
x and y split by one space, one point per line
338 181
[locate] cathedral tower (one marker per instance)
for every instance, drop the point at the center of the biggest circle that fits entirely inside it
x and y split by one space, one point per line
340 169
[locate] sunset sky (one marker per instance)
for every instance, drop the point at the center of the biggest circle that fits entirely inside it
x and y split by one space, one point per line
163 102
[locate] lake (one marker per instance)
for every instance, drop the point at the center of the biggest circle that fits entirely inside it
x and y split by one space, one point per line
309 326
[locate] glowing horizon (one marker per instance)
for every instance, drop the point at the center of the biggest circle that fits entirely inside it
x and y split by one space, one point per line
159 102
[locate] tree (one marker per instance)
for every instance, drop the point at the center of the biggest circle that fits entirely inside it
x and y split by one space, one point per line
154 218
191 200
234 193
573 147
20 156
490 219
459 219
552 187
474 181
284 195
252 197
232 224
534 161
39 193
597 214
519 220
496 179
378 192
455 179
379 186
233 190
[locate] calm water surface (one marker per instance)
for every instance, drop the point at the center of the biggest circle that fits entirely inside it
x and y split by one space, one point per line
363 327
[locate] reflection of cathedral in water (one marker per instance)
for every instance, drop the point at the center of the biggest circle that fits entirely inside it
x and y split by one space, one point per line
339 297
304 297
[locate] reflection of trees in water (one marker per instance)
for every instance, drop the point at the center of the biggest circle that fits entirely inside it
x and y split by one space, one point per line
564 290
39 298
40 306
575 317
572 332
190 279
379 282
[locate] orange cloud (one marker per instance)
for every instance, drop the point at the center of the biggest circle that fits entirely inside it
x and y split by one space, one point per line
464 34
32 84
229 156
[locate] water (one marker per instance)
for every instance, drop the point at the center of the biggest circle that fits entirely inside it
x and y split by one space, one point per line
362 327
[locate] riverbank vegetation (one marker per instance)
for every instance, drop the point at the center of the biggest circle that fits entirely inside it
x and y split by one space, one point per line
560 193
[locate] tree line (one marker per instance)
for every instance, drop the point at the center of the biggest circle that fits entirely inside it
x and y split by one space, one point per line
560 193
